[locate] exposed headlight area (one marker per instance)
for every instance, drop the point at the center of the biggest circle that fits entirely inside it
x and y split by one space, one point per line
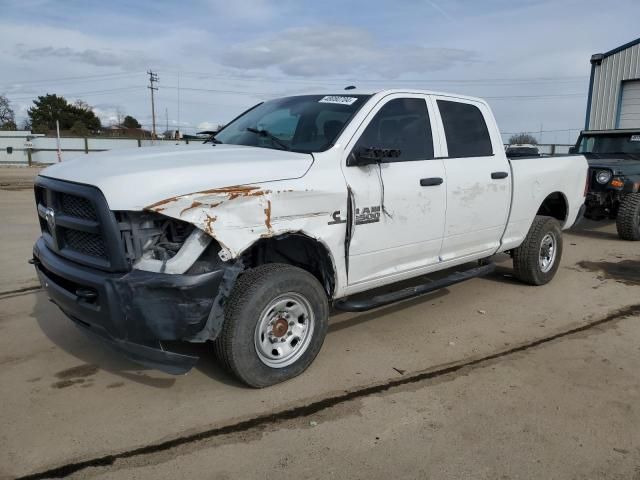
156 243
604 176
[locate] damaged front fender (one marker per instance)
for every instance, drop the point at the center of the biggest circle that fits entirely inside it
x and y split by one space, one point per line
238 216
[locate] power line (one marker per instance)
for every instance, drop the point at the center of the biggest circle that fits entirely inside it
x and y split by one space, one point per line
105 76
77 94
511 97
341 81
502 97
216 90
543 131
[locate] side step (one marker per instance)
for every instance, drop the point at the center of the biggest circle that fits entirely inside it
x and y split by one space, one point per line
364 304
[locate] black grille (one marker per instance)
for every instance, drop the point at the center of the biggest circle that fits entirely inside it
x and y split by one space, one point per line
77 224
87 243
79 207
41 196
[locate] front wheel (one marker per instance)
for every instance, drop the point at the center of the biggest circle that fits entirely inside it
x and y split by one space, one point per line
628 220
536 261
276 319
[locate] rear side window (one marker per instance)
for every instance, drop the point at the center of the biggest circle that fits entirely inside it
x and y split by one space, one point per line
465 129
401 124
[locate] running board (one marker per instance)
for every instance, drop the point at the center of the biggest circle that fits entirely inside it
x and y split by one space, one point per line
364 304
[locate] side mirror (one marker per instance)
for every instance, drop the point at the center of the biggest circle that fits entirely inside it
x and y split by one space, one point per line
362 156
573 150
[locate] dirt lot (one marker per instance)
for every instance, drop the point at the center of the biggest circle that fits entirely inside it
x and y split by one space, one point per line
487 379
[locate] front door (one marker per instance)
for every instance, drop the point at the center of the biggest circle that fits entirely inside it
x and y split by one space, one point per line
400 202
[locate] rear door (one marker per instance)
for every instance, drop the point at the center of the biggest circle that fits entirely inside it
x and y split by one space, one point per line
478 178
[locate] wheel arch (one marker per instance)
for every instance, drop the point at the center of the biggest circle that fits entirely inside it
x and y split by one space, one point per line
555 205
297 249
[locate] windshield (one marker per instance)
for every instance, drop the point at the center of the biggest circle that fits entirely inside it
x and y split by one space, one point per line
307 123
611 143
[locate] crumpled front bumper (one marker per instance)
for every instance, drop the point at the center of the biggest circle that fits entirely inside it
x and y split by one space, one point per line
133 312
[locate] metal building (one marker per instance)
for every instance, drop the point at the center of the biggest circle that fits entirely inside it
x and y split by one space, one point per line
614 89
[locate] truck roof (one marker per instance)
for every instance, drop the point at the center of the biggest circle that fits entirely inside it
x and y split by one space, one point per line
389 91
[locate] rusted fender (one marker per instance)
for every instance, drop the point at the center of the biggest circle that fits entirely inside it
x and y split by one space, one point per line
237 216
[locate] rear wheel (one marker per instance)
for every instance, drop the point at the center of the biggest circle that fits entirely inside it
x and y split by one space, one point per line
628 220
536 261
276 319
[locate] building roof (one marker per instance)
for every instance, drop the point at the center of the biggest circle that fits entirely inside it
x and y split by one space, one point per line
598 57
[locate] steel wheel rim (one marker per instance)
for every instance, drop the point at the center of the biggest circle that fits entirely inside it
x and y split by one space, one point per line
284 330
548 251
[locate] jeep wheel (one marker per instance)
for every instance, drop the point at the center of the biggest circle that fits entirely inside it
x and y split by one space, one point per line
536 261
628 221
276 319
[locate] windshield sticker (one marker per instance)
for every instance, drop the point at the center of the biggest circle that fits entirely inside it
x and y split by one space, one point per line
337 99
635 138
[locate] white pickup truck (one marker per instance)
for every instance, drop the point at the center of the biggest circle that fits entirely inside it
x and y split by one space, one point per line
299 203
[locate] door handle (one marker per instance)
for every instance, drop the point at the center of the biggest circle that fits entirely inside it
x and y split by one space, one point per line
499 175
431 182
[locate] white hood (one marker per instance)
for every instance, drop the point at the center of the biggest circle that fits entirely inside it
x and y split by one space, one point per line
132 179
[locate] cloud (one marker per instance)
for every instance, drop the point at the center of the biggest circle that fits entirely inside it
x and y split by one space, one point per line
244 10
127 59
322 51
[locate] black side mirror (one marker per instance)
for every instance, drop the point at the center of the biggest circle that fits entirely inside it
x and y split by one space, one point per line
573 150
362 156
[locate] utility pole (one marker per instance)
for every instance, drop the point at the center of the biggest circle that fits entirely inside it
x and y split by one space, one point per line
153 78
166 116
178 104
58 141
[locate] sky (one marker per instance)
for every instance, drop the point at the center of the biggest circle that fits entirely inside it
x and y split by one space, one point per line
214 58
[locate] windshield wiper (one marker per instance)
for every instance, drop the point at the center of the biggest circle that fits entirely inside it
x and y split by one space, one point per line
270 136
211 138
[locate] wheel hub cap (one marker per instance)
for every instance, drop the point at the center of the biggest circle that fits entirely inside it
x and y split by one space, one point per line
280 328
547 255
284 330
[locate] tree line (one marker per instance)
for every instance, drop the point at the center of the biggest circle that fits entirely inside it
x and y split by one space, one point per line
77 118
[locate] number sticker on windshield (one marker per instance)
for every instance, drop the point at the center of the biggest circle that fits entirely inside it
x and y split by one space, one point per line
337 99
635 138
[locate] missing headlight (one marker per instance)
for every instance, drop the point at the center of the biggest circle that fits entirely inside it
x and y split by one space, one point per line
151 234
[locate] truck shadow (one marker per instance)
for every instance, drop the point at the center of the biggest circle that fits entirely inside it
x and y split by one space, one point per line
336 323
598 230
66 336
503 274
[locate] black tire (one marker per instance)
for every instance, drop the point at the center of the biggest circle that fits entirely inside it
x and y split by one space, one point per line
526 258
253 292
628 220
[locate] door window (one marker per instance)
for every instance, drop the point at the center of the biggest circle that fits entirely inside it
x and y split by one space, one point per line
401 124
465 129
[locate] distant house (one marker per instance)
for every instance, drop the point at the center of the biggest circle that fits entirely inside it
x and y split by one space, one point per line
122 132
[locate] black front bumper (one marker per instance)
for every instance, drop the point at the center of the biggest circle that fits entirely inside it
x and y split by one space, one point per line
133 312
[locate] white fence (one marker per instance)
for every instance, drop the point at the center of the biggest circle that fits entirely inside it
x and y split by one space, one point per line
22 149
554 148
26 149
